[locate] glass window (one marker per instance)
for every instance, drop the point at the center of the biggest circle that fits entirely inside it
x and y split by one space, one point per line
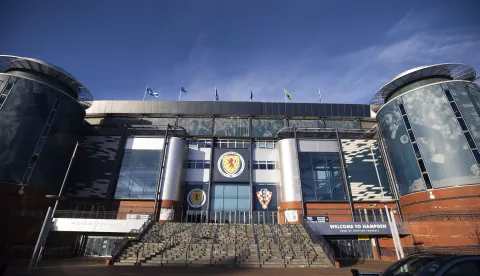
477 155
231 127
462 124
321 176
139 171
427 180
263 165
455 109
411 265
266 127
270 165
196 126
410 134
449 96
416 150
231 197
402 109
7 89
422 165
463 269
470 141
407 122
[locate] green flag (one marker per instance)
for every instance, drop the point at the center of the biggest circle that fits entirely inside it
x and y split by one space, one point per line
287 94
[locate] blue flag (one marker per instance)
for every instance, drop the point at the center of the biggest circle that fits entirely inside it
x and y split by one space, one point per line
251 94
183 89
151 93
216 94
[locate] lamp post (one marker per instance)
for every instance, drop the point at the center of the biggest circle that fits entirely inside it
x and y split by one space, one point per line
48 221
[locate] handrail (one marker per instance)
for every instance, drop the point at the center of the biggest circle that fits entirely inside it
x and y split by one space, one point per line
187 253
215 239
319 239
171 241
297 238
154 239
117 250
235 243
278 240
255 236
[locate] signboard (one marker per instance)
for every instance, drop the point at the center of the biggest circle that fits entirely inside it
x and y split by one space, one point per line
317 219
137 216
265 198
97 225
291 216
231 165
166 214
363 237
356 228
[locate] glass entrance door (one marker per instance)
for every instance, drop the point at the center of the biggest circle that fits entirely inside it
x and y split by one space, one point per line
230 202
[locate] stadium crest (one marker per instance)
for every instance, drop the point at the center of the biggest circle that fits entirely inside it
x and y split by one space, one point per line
231 164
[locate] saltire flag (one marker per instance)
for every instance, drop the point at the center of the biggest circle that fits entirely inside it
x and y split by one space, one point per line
182 89
151 93
287 95
216 95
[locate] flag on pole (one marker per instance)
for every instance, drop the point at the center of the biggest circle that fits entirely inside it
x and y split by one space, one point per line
251 94
216 95
319 95
287 95
182 89
151 93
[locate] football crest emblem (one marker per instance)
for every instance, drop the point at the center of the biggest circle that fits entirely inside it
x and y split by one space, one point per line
231 164
264 196
196 198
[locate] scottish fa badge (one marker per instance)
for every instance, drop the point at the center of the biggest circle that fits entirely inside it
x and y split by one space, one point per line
231 164
264 196
196 198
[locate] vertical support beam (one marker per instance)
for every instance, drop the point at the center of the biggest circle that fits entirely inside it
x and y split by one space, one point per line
299 172
209 192
344 174
250 170
163 156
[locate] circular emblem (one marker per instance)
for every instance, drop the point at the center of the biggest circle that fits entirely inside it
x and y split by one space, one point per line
404 139
196 198
231 164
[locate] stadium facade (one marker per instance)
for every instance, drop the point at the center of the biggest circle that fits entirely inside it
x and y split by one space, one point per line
336 168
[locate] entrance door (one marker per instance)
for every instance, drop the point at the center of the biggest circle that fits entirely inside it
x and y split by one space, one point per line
351 248
230 203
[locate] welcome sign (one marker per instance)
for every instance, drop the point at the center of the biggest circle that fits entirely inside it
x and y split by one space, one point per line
356 228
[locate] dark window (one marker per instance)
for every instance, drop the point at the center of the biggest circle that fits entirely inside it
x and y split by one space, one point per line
470 141
477 155
412 137
464 268
2 99
255 165
402 109
191 164
462 124
407 122
449 95
427 180
455 109
270 165
51 118
57 104
263 165
422 165
416 150
7 89
33 160
206 165
411 265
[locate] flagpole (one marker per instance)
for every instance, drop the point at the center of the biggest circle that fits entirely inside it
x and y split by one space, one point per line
145 94
179 94
251 95
320 95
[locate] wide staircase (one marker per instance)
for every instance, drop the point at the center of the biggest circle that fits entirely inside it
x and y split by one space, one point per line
230 245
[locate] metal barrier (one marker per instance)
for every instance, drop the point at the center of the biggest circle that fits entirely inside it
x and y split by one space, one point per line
236 217
99 214
319 239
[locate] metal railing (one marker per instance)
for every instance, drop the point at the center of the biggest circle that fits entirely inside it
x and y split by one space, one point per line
155 238
237 217
297 238
255 236
134 234
319 239
99 214
276 239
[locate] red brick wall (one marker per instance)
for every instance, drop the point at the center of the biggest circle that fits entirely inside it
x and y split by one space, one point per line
336 212
439 231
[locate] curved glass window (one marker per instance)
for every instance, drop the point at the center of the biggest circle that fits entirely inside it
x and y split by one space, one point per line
397 143
447 156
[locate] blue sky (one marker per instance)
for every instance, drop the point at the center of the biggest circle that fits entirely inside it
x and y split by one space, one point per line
348 49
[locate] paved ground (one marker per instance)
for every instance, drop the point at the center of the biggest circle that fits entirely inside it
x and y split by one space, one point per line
94 268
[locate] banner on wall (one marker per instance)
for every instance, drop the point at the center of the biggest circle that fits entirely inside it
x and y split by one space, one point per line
166 214
291 216
265 197
231 165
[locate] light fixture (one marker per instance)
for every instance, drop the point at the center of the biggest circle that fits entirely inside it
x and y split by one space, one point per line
432 196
